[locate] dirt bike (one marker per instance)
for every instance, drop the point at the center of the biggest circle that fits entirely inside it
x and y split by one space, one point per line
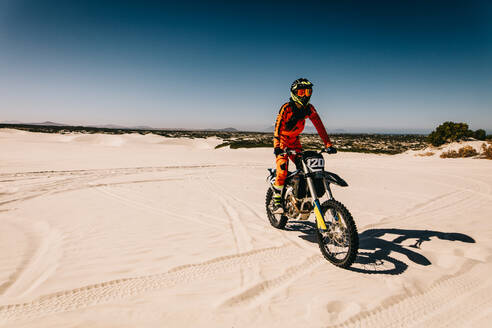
336 231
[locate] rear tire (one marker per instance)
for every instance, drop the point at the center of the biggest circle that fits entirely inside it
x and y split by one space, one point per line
342 236
278 221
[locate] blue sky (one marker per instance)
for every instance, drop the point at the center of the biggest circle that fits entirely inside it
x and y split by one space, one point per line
378 65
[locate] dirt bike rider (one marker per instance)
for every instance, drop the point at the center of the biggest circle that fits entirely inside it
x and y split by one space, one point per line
289 124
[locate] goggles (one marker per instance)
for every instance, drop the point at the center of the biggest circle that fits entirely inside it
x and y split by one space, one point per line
304 92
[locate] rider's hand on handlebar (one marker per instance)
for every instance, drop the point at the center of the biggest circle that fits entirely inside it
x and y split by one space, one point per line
278 151
331 150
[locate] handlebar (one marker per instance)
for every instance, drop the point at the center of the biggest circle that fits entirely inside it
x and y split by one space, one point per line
290 151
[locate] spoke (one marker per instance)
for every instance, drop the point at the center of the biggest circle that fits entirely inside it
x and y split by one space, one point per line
336 240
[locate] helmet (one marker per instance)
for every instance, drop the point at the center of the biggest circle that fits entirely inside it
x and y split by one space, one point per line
300 84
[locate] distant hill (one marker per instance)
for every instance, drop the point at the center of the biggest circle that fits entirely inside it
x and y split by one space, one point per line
45 123
120 127
108 126
104 126
50 123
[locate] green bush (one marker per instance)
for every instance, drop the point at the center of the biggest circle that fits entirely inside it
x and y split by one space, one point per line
479 134
449 132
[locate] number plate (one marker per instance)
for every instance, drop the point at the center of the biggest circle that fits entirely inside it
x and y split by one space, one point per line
315 164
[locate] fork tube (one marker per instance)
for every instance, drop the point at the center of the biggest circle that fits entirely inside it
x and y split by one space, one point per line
328 189
317 207
310 182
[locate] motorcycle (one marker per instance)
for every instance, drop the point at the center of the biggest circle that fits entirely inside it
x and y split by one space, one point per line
336 231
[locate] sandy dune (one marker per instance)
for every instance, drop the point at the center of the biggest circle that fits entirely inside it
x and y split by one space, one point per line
453 146
144 231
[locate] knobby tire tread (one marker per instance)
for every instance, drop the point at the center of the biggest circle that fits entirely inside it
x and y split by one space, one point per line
352 229
279 224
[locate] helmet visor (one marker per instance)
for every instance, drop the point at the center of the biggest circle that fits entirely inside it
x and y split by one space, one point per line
304 92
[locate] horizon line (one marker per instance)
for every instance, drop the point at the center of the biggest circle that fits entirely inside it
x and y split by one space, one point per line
414 131
307 130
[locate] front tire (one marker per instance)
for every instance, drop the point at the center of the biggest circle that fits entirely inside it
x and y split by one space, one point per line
340 243
276 220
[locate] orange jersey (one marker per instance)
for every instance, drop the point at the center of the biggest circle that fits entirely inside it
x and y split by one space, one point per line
290 123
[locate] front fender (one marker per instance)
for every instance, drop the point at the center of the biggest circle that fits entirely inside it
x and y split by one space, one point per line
334 178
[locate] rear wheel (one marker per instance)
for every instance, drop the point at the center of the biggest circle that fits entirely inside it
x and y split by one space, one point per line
340 242
276 220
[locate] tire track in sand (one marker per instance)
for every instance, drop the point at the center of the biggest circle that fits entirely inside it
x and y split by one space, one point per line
261 217
121 170
157 210
242 238
40 260
449 300
264 290
254 289
135 194
122 288
73 179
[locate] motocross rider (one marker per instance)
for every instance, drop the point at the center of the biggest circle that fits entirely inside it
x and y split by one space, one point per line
289 124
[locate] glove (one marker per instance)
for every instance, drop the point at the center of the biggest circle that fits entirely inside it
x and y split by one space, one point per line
331 150
277 151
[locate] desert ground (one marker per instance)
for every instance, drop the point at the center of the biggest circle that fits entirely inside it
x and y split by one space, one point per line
146 231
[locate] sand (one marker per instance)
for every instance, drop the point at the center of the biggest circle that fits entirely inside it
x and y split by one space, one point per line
145 231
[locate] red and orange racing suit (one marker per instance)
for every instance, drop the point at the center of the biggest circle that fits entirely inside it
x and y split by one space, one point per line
289 124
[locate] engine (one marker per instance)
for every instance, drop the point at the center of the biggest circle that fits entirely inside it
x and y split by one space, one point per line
295 208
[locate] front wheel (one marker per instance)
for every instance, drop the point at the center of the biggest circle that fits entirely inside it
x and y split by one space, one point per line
340 242
276 220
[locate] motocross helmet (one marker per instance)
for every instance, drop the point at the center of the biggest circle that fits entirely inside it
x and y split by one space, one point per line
301 97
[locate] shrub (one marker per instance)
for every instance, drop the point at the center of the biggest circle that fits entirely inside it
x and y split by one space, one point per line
429 153
449 132
479 134
449 154
467 151
487 151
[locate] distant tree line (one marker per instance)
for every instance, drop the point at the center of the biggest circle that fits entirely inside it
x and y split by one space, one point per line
451 131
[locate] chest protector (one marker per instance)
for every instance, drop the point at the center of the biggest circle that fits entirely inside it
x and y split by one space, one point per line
297 117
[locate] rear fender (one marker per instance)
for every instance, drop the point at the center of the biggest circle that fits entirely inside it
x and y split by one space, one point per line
272 176
291 174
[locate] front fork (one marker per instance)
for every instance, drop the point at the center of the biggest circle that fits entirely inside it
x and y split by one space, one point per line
320 220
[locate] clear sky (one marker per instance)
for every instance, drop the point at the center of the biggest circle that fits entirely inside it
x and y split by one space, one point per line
212 64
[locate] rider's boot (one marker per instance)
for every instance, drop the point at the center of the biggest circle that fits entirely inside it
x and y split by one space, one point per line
277 207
